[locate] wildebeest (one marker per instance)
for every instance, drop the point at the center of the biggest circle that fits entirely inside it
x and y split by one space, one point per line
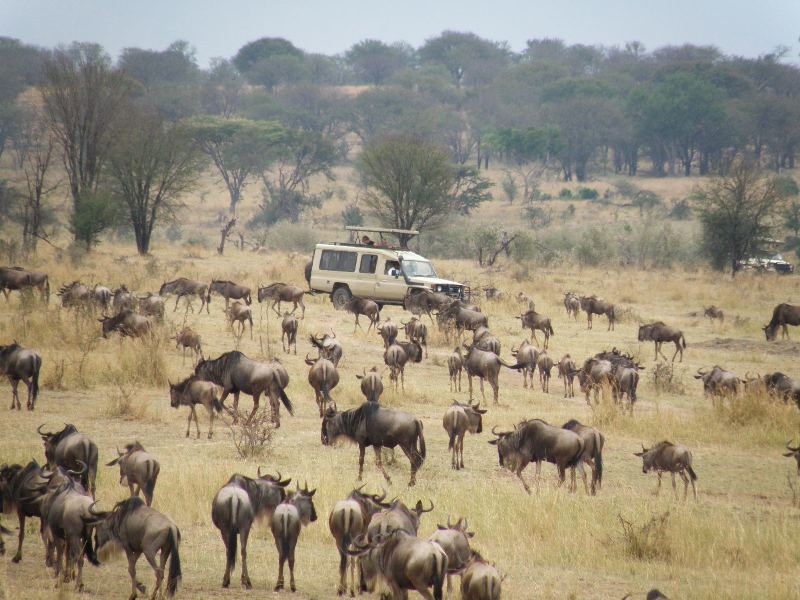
573 304
533 321
289 326
137 529
535 441
18 279
545 365
236 373
397 517
139 468
366 307
666 457
348 520
189 338
191 392
236 506
371 384
101 296
485 366
567 371
123 300
493 293
454 540
713 312
152 305
782 315
20 364
75 295
776 383
127 323
718 381
239 313
21 490
283 292
416 330
419 302
455 364
229 291
594 306
397 355
373 425
328 346
658 333
653 594
388 331
183 287
480 580
594 376
322 377
793 453
624 383
482 338
527 357
294 512
593 442
71 449
458 419
464 318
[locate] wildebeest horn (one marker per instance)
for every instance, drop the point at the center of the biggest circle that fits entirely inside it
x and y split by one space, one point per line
422 510
83 469
788 447
92 511
382 496
39 430
449 525
333 333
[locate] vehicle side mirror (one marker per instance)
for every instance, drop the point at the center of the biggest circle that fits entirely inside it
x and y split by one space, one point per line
396 275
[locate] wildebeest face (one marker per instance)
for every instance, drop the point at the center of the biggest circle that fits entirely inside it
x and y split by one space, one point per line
641 333
329 430
648 459
174 399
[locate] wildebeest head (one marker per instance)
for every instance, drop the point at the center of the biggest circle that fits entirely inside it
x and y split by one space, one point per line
51 440
644 332
302 499
505 450
793 452
650 455
331 426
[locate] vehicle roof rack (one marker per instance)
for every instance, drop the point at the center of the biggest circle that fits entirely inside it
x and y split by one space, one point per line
382 230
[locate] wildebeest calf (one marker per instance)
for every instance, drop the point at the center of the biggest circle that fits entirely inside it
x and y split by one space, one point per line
458 419
666 457
139 468
296 510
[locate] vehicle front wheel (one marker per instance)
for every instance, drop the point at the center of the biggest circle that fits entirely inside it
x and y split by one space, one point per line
340 297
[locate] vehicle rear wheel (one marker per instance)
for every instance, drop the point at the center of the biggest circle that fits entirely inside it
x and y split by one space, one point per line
340 297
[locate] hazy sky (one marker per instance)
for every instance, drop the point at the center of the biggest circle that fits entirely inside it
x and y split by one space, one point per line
744 27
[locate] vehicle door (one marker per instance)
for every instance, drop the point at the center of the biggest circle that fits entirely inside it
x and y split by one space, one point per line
364 284
389 284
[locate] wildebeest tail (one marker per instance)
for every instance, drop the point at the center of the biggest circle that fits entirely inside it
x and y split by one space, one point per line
598 460
285 538
233 533
150 482
683 340
453 436
438 576
692 474
88 549
326 393
215 403
37 366
285 399
174 561
516 367
46 288
575 459
420 439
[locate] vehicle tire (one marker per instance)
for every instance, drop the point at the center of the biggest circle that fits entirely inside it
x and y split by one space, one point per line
340 296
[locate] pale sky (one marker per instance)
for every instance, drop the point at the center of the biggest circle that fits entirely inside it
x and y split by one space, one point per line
742 27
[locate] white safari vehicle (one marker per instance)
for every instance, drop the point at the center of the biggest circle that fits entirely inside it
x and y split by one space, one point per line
374 269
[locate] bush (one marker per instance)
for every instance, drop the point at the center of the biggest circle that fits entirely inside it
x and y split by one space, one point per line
595 247
648 542
538 217
290 237
253 438
510 187
352 216
666 381
680 210
587 193
565 194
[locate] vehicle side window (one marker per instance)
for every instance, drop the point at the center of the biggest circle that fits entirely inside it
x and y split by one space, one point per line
368 263
336 260
392 267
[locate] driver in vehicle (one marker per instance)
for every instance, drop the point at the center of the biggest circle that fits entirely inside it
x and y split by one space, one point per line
392 268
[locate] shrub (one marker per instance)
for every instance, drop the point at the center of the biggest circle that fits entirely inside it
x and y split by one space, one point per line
649 541
510 187
680 210
352 216
253 437
290 237
538 217
595 247
587 193
666 381
565 194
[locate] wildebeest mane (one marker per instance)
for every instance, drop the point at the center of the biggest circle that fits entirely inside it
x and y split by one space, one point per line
181 386
68 430
350 420
214 370
571 424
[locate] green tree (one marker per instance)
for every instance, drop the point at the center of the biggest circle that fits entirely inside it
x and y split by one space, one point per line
375 62
527 151
791 219
152 68
469 59
270 61
95 213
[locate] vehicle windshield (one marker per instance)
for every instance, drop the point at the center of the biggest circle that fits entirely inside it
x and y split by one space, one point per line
418 268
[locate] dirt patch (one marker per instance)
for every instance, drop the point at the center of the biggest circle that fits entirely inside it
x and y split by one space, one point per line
743 345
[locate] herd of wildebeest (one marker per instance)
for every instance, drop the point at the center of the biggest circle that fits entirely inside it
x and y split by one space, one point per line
377 539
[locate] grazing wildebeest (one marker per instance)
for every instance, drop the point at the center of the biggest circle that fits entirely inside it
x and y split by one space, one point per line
137 529
234 509
372 425
75 295
567 371
395 357
240 313
388 331
781 385
363 306
782 315
127 323
658 333
348 520
403 562
793 453
191 392
152 305
545 365
458 419
139 468
18 279
454 540
594 306
594 376
236 373
533 321
480 580
296 510
416 330
283 292
322 377
718 381
123 300
455 364
527 357
21 491
328 346
485 366
666 457
70 449
463 318
189 338
20 364
183 287
371 384
573 304
419 302
483 339
535 441
625 381
593 442
229 291
713 312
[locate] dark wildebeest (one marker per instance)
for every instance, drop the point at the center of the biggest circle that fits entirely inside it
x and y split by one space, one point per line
718 381
416 330
289 326
388 331
18 279
793 453
533 321
283 292
183 287
127 323
397 517
189 338
464 318
363 306
234 509
483 339
191 392
593 442
537 441
658 333
526 356
229 291
493 293
296 510
594 376
328 346
485 366
419 302
573 304
455 364
236 373
545 365
371 384
20 364
240 313
123 300
152 305
137 529
348 520
137 467
594 306
666 457
625 381
372 425
75 295
71 449
782 315
480 580
396 356
454 540
566 371
785 387
21 490
713 312
458 419
322 377
404 563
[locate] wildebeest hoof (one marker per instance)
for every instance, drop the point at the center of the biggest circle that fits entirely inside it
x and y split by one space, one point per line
293 587
225 583
16 558
278 587
140 586
246 584
187 434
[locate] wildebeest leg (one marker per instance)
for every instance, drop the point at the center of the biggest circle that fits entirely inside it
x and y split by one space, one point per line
361 451
588 320
189 422
459 380
677 349
685 485
402 379
469 380
159 570
15 394
210 410
674 486
20 538
661 351
357 325
302 306
132 558
379 463
495 385
277 311
177 299
196 422
243 535
658 488
582 467
292 585
573 482
518 473
226 577
482 392
256 400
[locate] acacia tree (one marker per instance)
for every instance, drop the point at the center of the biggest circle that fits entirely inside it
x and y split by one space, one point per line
374 61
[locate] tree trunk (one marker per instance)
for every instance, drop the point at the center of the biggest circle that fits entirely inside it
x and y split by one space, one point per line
226 229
